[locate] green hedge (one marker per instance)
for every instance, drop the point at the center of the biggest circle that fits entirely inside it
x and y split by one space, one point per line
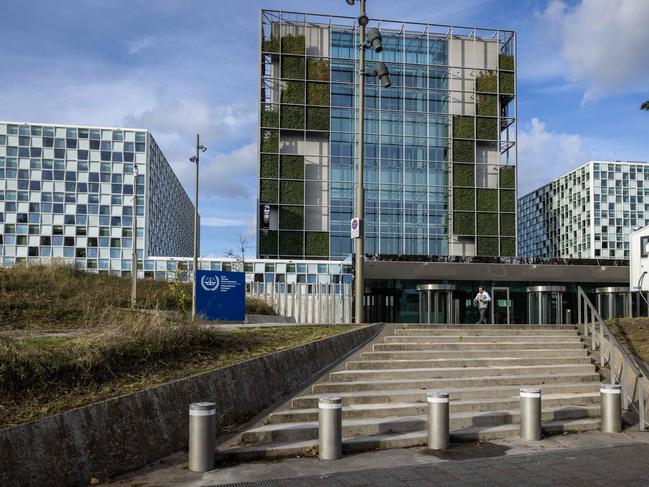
487 246
317 94
507 83
268 166
317 244
488 224
487 128
506 61
293 92
293 44
463 223
269 117
317 118
507 224
463 199
508 201
508 247
270 45
508 177
463 151
463 175
292 167
269 141
292 67
487 105
317 69
486 82
291 243
291 192
268 242
487 199
292 117
268 191
291 217
462 127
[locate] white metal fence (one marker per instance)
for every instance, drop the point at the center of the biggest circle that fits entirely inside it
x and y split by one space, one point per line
306 303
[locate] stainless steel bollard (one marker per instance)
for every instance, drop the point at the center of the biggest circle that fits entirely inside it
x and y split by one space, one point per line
202 435
330 431
611 397
438 430
530 414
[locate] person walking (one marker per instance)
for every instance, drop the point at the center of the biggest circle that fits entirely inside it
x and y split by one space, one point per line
482 300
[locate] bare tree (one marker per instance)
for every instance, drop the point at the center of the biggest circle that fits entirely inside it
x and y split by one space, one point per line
239 254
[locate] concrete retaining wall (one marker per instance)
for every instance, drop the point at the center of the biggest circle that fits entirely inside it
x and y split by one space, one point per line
121 434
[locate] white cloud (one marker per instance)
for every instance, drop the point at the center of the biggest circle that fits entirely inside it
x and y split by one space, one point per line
230 175
601 43
137 45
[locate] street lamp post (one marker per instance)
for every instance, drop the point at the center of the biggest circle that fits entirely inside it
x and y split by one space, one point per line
134 241
195 159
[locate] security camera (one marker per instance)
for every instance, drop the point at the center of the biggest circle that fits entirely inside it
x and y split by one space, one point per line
374 39
383 74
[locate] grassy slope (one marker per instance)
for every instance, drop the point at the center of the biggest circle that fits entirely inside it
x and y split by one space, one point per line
632 333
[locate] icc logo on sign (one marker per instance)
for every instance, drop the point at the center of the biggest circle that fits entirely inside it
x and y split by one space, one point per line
210 283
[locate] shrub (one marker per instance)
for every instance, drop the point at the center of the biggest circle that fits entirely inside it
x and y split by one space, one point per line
507 83
317 118
508 177
487 199
268 242
463 175
506 61
463 151
268 191
256 306
462 127
291 217
318 69
292 67
508 247
269 117
507 224
487 128
317 94
292 167
508 201
293 44
270 45
269 141
487 105
293 92
487 223
486 82
463 223
292 192
292 117
291 243
463 199
317 244
487 246
268 166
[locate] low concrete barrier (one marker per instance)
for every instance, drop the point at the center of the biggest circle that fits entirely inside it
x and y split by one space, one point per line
125 433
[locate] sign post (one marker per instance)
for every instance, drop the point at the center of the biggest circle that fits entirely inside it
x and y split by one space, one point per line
221 295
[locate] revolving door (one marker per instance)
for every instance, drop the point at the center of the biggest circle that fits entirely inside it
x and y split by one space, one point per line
614 302
436 303
545 305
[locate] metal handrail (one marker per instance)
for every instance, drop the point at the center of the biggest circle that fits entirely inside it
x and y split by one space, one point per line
604 339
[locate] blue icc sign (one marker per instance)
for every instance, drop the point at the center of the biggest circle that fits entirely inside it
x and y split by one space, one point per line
221 295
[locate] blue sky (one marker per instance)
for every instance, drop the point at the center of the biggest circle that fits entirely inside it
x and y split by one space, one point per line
178 67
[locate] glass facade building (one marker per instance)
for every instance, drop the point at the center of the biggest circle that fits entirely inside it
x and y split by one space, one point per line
440 144
588 213
71 193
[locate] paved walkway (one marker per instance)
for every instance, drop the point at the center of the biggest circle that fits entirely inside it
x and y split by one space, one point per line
591 459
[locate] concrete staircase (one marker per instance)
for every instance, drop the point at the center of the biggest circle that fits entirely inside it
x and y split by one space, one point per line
482 367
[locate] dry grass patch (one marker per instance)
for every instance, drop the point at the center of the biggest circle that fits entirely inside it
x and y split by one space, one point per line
633 334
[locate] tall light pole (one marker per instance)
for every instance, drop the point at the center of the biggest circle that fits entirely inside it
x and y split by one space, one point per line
383 74
134 241
195 159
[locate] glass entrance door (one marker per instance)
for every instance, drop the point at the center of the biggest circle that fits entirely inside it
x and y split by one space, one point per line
501 306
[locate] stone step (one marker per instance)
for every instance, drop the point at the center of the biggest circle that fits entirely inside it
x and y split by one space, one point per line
386 410
539 379
433 354
473 326
455 372
403 440
529 338
363 427
459 345
482 332
463 362
455 394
